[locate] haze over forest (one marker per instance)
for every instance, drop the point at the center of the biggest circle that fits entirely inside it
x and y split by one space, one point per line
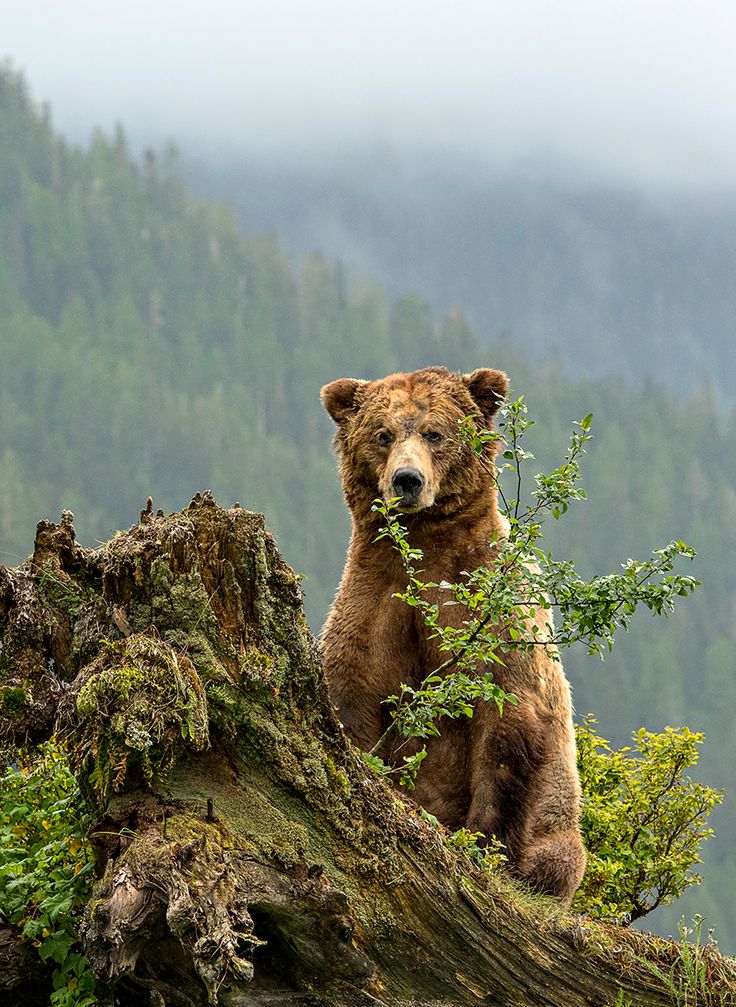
565 175
633 93
560 202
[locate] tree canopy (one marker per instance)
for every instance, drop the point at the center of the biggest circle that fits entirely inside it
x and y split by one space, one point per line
148 345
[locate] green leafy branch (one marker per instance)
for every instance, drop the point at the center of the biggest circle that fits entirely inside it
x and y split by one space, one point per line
508 603
644 820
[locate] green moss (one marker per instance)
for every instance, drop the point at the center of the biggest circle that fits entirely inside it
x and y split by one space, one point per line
180 601
181 610
281 737
256 665
139 703
314 770
14 701
94 911
249 809
271 600
60 592
140 616
337 779
200 652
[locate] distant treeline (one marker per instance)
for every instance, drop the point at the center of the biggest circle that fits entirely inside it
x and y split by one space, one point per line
147 346
600 277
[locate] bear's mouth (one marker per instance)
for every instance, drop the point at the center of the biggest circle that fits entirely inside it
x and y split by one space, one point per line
409 508
409 505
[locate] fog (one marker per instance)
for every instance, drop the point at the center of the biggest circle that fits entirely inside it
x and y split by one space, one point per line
640 92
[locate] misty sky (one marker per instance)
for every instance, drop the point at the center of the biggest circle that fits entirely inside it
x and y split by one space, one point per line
639 91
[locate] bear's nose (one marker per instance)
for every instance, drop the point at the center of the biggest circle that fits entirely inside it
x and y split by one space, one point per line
407 483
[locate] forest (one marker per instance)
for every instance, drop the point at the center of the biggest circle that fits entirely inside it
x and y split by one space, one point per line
601 275
150 346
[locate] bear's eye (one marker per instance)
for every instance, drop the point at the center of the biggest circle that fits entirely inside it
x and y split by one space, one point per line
384 438
433 436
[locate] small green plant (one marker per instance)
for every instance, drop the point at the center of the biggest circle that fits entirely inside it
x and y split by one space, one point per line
688 978
622 1000
46 867
502 600
643 821
486 853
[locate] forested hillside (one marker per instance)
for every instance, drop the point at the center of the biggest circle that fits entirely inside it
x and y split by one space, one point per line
148 346
588 272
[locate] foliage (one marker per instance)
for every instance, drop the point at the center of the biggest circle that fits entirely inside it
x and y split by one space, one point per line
689 978
622 1000
486 853
525 577
643 820
45 865
195 353
502 600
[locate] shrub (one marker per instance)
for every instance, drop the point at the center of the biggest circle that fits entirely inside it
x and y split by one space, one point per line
46 867
643 820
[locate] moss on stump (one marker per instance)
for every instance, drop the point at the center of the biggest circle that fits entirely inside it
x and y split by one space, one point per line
246 854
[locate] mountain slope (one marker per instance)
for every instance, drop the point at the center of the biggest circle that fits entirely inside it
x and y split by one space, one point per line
148 346
603 278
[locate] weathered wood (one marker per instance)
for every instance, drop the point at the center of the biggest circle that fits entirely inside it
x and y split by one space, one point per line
22 978
247 854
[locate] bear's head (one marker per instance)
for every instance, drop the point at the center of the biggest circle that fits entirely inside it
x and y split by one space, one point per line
399 437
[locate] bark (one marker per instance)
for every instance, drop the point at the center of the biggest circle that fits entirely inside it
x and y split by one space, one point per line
246 854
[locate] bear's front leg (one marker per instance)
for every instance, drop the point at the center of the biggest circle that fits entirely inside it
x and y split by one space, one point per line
504 754
525 792
551 856
360 712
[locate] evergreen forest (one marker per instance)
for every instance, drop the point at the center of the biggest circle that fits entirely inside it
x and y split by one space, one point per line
603 276
150 346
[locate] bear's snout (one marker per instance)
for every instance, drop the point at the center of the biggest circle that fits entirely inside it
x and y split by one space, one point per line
408 483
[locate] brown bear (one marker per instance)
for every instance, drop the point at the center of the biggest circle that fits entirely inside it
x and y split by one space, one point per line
513 776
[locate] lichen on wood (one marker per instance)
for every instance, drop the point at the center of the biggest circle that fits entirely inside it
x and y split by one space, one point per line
132 706
246 854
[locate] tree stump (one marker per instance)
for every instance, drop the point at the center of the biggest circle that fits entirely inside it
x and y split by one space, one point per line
246 855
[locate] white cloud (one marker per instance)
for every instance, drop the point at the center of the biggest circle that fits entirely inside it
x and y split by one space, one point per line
641 90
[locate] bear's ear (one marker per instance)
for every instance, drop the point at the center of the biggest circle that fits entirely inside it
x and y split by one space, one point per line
340 398
488 390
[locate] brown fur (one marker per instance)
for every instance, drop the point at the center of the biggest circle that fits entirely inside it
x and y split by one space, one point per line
512 776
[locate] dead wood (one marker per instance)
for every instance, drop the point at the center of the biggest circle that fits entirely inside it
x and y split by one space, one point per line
247 856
